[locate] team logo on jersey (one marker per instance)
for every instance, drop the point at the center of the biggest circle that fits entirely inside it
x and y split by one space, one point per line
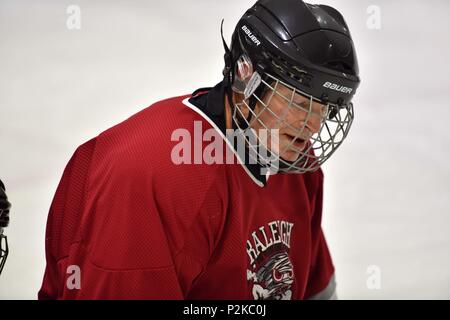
271 272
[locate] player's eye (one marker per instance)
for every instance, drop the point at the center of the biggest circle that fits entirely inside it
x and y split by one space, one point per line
302 104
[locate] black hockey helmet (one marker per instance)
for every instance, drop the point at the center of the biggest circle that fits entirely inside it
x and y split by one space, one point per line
307 46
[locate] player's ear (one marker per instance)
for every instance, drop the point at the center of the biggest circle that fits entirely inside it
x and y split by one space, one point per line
244 68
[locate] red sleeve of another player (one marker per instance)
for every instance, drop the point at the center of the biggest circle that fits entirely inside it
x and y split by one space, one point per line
321 284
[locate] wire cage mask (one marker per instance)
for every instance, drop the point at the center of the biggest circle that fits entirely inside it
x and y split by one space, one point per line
307 149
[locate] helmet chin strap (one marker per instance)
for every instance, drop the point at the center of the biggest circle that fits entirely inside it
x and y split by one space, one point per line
228 57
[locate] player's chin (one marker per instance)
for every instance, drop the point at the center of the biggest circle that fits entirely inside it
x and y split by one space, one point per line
292 152
290 155
289 152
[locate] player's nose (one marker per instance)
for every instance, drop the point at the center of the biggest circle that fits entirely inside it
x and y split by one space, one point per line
318 114
312 118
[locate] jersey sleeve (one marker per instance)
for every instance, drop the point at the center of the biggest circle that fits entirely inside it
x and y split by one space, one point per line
65 209
134 228
321 281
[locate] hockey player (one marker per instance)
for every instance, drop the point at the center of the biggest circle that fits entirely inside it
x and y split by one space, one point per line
4 222
129 221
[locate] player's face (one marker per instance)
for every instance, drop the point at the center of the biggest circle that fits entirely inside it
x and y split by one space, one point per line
296 121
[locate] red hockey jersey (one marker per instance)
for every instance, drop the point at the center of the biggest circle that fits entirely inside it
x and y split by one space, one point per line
135 225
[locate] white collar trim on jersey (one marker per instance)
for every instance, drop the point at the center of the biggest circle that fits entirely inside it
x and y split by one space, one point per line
204 116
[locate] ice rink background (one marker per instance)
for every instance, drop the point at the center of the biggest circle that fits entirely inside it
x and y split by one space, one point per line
386 190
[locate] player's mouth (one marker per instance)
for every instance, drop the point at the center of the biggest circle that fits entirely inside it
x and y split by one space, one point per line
297 142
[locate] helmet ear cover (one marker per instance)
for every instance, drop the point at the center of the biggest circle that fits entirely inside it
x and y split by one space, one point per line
243 71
